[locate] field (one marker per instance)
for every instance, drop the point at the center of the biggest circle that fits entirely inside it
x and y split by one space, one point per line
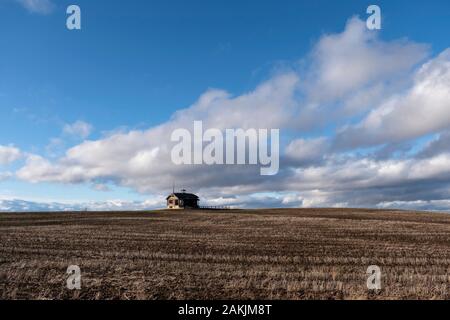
260 254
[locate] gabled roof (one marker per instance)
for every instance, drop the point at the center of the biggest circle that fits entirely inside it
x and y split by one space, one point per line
184 196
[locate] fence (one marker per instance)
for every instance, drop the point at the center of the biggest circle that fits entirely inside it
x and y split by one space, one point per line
214 208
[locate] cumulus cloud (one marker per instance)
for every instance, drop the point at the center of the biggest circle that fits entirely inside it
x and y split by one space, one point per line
37 6
439 145
305 151
350 76
347 73
348 61
351 173
9 154
78 129
141 159
421 110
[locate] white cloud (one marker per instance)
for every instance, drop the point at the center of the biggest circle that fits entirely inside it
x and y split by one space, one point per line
37 6
141 159
78 129
17 205
338 174
303 151
349 73
9 154
435 205
422 109
346 62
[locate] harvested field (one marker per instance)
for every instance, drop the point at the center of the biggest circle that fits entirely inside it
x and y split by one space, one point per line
248 254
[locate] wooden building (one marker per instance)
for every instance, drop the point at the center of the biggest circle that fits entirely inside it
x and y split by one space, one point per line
182 200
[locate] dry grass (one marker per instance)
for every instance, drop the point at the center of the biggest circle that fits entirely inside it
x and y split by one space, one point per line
264 254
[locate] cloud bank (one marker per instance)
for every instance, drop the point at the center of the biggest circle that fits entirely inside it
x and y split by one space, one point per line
381 100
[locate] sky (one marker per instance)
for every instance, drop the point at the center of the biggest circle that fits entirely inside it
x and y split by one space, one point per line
86 115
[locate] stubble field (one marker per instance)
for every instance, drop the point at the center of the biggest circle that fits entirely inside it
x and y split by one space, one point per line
260 254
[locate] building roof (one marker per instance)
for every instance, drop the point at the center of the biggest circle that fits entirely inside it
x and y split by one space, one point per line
184 196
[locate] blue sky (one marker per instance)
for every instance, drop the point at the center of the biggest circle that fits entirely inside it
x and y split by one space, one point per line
135 63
